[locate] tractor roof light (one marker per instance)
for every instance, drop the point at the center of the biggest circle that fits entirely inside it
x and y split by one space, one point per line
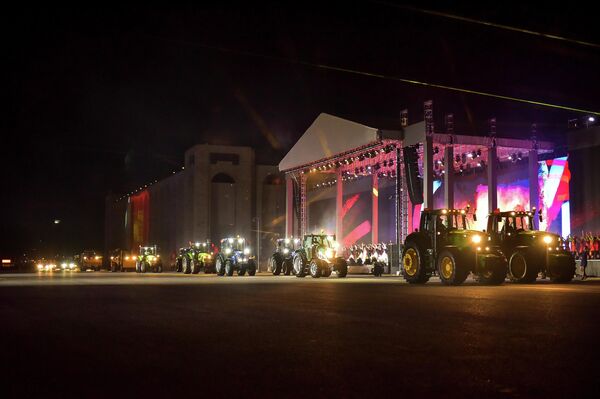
476 239
548 239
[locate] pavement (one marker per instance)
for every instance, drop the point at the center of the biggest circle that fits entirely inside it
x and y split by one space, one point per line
167 335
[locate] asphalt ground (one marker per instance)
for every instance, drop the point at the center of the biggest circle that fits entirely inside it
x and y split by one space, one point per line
171 335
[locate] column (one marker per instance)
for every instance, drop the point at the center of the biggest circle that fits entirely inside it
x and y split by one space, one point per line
339 205
289 206
492 178
375 208
428 172
449 176
534 194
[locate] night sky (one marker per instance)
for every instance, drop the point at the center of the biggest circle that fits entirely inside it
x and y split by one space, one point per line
105 99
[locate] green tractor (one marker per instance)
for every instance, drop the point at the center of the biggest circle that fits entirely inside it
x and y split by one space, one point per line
282 260
445 245
235 255
198 256
530 251
318 257
148 260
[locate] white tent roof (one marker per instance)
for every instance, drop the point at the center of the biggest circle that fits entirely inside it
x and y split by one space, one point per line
326 137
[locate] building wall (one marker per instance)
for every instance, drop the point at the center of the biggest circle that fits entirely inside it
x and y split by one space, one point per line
218 183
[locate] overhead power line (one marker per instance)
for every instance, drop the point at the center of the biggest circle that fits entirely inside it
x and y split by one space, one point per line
386 77
490 24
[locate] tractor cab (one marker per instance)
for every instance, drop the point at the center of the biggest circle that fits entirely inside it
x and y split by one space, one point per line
287 246
148 260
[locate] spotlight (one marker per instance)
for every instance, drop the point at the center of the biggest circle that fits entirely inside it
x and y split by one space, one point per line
591 119
470 154
519 156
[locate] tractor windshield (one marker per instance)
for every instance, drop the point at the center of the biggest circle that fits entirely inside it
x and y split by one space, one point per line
235 244
453 222
517 223
147 251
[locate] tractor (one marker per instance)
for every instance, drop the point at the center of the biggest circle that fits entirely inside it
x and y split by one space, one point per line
121 260
318 257
445 245
235 255
198 256
282 260
148 260
530 251
90 259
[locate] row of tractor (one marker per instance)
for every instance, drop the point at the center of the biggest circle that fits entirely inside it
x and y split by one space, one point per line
511 246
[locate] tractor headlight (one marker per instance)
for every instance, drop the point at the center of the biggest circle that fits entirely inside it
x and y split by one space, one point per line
127 258
286 251
246 251
329 253
40 266
548 239
97 257
227 251
476 239
72 265
240 240
134 257
287 240
63 265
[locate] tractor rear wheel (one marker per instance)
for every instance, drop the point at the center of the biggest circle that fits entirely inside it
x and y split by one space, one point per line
159 268
521 269
228 268
413 267
241 271
275 264
185 265
251 267
495 274
451 272
178 265
219 266
299 266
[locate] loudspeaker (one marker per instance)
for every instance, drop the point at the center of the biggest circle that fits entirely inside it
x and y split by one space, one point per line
413 181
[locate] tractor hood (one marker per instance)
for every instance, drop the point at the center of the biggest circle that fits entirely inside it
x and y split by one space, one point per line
536 237
467 237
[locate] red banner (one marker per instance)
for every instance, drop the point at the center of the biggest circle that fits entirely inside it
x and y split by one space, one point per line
140 211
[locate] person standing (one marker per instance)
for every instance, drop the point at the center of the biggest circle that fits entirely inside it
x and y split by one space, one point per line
584 259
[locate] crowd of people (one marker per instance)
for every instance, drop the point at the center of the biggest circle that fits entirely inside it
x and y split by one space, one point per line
367 254
588 244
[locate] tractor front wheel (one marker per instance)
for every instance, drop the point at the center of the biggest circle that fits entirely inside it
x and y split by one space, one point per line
521 269
194 266
341 267
315 268
143 267
251 267
185 265
451 272
288 266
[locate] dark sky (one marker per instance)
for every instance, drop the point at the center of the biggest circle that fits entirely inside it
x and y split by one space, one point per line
104 99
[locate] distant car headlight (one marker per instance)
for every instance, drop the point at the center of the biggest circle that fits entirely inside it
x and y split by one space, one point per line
227 251
476 239
246 251
548 239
